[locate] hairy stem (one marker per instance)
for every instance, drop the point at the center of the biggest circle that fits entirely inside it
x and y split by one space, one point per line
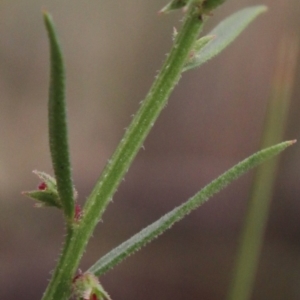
59 286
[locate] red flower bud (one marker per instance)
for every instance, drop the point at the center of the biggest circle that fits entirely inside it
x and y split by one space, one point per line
78 212
93 297
42 186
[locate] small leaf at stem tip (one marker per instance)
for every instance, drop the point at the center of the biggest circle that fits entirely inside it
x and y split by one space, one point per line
209 5
46 193
173 5
205 6
225 32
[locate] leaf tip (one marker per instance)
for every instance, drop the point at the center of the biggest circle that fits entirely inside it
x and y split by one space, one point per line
45 13
264 8
260 8
292 142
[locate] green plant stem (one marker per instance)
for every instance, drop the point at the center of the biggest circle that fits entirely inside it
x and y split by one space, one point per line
59 286
57 119
264 179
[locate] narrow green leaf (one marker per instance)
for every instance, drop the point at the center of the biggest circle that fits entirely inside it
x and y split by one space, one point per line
152 231
225 33
58 134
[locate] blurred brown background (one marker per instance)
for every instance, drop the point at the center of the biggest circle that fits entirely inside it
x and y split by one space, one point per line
214 119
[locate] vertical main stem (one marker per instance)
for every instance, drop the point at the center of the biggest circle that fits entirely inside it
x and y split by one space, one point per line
145 118
59 286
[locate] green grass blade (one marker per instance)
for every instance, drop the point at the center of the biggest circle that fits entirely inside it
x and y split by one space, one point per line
58 134
264 179
226 32
152 231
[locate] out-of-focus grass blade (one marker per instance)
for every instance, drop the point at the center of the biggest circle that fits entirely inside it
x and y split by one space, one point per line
263 183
